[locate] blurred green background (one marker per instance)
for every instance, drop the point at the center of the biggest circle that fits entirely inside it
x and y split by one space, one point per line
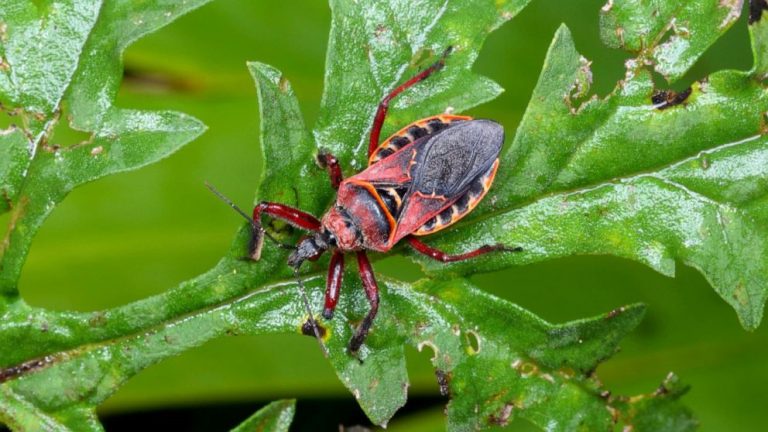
136 234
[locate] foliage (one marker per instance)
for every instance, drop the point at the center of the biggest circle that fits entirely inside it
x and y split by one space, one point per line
275 417
651 180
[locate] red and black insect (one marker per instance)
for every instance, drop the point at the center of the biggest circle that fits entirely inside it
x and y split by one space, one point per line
419 181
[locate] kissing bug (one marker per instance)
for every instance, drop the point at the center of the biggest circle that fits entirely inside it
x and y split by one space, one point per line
420 180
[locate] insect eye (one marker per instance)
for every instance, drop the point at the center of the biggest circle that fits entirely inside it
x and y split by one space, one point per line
330 238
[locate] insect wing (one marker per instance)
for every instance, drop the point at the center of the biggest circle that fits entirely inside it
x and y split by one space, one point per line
452 160
443 169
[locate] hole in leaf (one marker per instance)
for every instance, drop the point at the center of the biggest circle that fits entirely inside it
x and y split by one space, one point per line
730 51
473 342
64 136
581 87
422 57
8 118
660 83
431 346
527 369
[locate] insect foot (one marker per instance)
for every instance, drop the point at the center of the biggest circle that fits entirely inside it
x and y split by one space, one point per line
256 242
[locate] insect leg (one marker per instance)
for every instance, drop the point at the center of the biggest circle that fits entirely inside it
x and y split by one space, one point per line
329 162
381 112
283 212
372 292
333 283
439 255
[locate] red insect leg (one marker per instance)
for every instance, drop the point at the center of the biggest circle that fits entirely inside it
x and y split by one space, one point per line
381 112
333 283
372 292
329 162
291 215
439 255
283 212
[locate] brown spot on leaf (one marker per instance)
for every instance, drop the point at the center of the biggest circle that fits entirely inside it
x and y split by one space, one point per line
740 294
23 368
614 313
18 212
503 416
663 99
704 161
668 385
443 380
6 198
283 84
620 35
734 10
615 414
567 372
374 383
307 330
756 8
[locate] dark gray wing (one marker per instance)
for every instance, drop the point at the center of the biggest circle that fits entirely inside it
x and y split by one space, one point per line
449 161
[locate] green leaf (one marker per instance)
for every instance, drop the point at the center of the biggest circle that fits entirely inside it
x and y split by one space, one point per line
41 49
671 34
375 45
543 370
14 154
64 57
287 145
758 32
621 176
275 417
659 411
64 364
499 361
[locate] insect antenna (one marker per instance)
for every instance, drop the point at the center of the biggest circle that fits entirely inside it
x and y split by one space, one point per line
312 322
256 227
